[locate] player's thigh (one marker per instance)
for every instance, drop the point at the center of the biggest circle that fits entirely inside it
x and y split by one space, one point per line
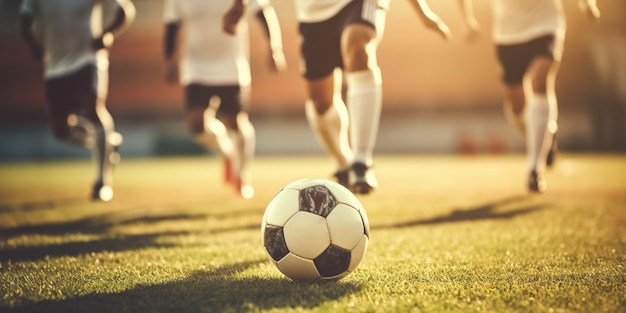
197 99
71 94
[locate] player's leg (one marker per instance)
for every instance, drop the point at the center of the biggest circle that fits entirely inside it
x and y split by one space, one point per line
514 107
233 113
523 109
359 42
328 118
106 141
244 138
541 119
514 61
202 122
78 130
72 101
326 113
104 155
542 112
543 75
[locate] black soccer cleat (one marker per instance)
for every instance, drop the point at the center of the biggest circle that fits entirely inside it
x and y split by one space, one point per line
342 177
101 192
536 182
362 179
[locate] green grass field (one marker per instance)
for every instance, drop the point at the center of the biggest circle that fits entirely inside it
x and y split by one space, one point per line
448 234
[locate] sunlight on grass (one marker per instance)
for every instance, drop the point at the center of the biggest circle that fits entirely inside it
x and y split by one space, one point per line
448 233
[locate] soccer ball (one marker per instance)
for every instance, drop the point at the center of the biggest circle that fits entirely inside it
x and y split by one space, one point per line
315 229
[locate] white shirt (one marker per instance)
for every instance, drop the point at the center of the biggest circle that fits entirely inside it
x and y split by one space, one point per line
69 27
311 11
518 21
209 55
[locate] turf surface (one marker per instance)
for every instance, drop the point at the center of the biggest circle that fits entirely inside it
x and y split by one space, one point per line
448 233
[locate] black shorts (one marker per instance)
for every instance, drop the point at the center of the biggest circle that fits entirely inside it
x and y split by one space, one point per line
198 96
515 59
321 41
74 93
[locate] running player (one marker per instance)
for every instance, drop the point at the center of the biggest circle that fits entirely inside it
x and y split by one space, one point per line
74 47
344 34
529 38
216 75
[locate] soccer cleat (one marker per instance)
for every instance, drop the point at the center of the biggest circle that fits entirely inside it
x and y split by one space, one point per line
342 177
101 192
244 189
362 179
536 182
554 150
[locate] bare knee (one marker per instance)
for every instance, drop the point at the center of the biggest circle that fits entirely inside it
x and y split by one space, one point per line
322 104
358 48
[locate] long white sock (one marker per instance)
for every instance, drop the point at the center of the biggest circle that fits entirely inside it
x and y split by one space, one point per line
553 118
364 98
215 137
244 143
538 138
87 134
331 130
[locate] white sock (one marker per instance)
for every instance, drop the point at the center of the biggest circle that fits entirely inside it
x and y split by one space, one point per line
364 97
85 133
215 137
244 143
537 118
331 130
553 118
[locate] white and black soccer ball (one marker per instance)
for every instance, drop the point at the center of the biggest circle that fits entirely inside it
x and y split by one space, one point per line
315 229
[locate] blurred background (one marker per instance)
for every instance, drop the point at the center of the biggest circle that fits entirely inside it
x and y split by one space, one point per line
439 97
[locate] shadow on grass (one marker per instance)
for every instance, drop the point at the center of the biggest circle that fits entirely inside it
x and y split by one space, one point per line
109 241
30 206
219 290
104 222
77 248
481 212
94 224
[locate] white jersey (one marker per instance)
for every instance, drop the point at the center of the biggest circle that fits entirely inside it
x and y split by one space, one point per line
211 56
312 11
69 27
518 21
